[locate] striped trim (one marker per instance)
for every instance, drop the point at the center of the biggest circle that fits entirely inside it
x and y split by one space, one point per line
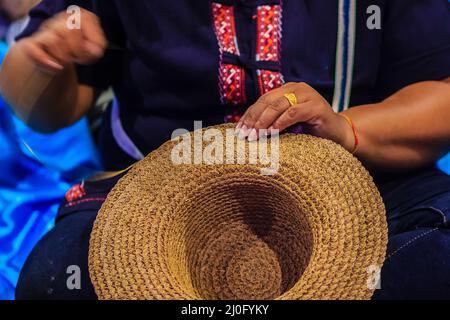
345 54
121 137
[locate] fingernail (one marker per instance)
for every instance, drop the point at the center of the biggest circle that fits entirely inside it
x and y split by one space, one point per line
54 65
253 136
243 132
238 129
263 133
94 49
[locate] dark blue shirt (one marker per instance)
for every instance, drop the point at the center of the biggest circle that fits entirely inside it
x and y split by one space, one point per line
4 24
173 62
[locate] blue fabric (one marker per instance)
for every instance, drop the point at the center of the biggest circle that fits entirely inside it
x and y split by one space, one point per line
32 184
444 164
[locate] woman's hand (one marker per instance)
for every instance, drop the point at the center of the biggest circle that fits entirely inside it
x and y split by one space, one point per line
273 111
55 46
38 76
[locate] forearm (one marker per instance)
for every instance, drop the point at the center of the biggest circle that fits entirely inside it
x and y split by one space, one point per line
45 101
409 130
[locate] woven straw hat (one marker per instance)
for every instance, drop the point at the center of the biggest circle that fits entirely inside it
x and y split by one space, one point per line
315 230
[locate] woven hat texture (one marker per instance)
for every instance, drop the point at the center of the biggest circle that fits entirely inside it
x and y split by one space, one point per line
314 230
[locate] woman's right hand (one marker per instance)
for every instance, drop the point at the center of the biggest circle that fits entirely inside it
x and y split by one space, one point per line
56 46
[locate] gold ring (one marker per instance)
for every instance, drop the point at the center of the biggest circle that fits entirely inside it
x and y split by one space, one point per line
292 98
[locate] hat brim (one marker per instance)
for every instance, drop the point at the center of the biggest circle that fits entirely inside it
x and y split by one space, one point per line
184 231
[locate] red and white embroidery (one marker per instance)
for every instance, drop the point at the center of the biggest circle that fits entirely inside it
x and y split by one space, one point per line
269 28
224 25
232 83
269 80
75 193
231 77
268 50
269 33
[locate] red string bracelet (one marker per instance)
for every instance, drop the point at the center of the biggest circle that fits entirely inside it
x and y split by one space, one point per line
355 133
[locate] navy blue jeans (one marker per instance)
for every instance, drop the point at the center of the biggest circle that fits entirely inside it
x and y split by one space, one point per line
417 265
418 256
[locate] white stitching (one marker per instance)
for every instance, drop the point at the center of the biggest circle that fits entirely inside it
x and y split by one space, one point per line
410 242
441 213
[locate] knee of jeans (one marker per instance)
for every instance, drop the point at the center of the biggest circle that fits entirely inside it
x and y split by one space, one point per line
439 208
58 266
416 266
37 275
424 216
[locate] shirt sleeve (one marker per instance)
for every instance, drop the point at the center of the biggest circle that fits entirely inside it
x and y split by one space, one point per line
416 44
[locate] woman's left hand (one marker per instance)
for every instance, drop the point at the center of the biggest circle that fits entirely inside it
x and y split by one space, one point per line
274 111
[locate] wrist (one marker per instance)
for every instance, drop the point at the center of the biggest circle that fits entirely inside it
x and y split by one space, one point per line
349 135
